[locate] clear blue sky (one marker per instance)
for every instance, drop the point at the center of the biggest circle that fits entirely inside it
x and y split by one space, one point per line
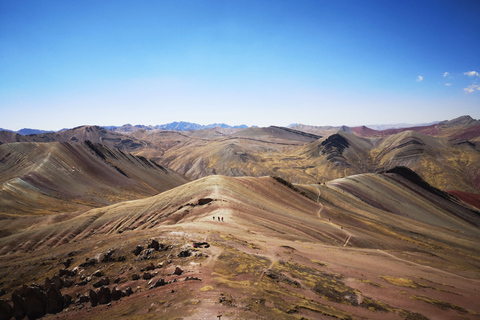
70 63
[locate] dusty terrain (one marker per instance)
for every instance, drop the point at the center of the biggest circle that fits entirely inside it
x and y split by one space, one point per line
268 223
281 251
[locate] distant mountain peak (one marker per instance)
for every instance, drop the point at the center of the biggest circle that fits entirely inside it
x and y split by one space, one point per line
176 125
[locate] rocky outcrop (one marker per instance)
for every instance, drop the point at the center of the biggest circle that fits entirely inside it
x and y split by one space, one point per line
104 295
93 297
116 294
55 301
6 310
35 301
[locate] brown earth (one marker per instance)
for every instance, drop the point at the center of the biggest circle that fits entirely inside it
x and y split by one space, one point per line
377 246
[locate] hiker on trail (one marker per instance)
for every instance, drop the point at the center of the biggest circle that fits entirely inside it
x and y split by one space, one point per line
213 218
218 218
222 219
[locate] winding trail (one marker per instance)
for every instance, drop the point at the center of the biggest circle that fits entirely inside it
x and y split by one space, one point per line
318 202
348 239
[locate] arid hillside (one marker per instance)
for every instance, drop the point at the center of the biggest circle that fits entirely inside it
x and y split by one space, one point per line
446 154
372 246
47 178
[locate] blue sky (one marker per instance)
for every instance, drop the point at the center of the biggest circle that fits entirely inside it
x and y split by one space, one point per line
70 63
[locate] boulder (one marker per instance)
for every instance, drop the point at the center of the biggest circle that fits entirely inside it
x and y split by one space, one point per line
67 273
58 281
107 256
93 297
138 249
147 276
68 262
116 294
135 276
150 267
19 306
154 244
67 283
6 310
67 300
55 301
160 282
82 299
184 253
104 295
178 271
128 291
35 301
88 262
102 282
98 273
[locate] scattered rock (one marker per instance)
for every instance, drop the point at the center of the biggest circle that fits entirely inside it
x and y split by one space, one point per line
128 291
102 282
67 263
135 276
67 283
67 300
154 244
117 280
138 249
67 273
160 282
98 273
88 262
104 295
82 299
147 276
146 254
107 256
178 271
150 267
184 253
192 278
82 283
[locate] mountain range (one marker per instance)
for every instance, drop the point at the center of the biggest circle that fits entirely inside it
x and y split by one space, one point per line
301 222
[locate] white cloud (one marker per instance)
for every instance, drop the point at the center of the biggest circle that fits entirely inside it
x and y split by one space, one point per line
472 73
445 74
420 78
471 88
448 84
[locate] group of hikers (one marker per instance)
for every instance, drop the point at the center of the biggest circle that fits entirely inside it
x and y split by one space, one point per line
218 218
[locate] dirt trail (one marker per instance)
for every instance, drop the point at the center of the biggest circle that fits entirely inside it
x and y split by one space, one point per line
346 241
